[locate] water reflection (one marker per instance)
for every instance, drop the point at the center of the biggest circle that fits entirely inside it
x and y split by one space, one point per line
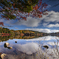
5 38
28 46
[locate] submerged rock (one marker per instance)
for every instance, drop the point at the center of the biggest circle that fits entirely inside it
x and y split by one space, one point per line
2 55
15 41
6 44
45 46
9 47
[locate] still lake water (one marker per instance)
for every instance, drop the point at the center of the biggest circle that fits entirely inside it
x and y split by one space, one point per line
28 46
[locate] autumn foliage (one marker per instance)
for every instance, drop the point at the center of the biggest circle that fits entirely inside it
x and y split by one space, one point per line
1 23
20 8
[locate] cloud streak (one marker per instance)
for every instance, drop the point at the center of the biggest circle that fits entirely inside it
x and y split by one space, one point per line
36 22
43 30
52 17
53 25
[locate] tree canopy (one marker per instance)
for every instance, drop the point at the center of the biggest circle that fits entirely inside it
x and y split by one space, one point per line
12 8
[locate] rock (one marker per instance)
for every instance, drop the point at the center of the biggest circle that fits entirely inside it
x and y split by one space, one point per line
45 46
15 41
2 55
6 44
9 47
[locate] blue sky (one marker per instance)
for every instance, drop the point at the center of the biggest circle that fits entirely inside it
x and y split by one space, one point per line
48 23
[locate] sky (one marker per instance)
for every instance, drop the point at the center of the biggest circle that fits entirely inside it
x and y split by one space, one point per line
48 23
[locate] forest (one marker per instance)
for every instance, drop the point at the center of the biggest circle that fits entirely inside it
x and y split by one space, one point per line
6 34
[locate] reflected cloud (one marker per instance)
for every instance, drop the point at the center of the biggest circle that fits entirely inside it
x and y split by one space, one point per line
47 40
31 46
28 48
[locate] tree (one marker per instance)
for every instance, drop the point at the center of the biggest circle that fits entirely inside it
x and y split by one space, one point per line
11 7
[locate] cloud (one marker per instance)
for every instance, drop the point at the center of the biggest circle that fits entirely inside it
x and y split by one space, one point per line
35 22
45 24
52 17
16 28
43 30
30 22
53 25
40 30
54 30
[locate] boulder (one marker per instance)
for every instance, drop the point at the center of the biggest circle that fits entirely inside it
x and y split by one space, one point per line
6 44
2 55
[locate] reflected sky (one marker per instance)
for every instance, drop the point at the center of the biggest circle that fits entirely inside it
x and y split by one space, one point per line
28 46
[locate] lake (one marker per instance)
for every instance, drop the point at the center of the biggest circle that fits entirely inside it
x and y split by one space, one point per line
28 48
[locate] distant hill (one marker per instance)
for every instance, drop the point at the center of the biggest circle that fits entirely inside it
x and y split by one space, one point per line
6 34
22 32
